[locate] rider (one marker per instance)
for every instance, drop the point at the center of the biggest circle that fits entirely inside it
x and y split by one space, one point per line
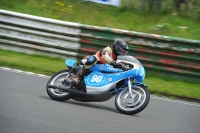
106 55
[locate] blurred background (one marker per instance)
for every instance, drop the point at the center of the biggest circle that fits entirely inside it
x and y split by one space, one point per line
178 18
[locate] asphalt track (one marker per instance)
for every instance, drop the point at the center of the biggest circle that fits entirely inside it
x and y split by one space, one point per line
26 108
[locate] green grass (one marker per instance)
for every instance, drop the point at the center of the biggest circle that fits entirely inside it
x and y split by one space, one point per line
173 87
127 17
49 65
33 63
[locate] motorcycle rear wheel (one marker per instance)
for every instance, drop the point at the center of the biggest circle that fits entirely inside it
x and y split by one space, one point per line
127 105
57 80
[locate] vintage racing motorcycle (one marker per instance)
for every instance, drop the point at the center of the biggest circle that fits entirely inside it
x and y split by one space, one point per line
102 82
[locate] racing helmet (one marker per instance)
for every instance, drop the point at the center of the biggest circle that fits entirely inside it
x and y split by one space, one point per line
120 47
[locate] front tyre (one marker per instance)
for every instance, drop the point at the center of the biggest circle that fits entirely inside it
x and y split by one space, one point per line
132 105
58 79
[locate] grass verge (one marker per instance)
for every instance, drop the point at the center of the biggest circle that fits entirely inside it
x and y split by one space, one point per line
161 86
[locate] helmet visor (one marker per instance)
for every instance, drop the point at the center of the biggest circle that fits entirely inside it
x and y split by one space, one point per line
122 52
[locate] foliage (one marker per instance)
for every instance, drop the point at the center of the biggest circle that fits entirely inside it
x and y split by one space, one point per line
128 17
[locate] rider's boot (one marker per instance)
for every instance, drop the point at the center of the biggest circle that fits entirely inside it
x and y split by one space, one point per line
79 76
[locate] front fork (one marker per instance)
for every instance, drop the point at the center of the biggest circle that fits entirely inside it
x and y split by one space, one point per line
64 81
70 70
130 87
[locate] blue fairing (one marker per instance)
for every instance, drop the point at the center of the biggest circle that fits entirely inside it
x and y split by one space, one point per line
104 74
105 68
70 62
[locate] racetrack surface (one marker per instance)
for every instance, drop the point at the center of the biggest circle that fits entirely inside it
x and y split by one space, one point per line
26 108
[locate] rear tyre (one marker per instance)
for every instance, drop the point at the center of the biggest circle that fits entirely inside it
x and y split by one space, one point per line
132 105
58 80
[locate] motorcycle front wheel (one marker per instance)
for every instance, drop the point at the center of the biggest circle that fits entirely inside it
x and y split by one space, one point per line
132 105
59 79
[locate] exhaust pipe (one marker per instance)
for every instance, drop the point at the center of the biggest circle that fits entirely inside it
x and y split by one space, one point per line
70 91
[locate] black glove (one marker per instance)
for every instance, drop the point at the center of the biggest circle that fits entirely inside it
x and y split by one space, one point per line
118 65
115 64
123 67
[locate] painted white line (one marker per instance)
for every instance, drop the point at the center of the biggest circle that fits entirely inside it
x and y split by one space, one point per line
45 76
23 72
176 101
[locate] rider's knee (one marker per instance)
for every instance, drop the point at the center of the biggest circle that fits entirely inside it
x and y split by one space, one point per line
91 60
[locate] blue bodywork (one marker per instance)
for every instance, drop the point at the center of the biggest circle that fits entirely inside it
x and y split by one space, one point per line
70 62
104 74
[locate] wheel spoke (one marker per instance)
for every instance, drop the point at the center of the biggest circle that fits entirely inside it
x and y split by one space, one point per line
131 103
59 81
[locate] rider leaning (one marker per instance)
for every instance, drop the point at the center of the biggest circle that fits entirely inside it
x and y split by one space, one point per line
106 55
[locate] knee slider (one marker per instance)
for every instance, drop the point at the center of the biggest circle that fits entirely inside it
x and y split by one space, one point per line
91 60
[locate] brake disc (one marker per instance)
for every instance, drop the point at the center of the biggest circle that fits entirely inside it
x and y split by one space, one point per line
131 101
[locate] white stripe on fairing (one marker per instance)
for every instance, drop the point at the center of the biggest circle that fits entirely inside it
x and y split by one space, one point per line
45 76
